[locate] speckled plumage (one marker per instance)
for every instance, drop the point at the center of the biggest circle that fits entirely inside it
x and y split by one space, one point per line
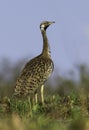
35 72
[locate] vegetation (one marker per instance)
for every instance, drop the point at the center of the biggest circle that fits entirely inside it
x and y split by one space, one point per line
66 104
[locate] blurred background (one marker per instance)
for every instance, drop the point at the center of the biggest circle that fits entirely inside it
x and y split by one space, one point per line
21 40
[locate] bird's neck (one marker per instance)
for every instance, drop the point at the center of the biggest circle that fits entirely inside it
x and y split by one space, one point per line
46 48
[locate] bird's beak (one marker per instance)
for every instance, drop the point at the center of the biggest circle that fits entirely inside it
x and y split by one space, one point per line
52 22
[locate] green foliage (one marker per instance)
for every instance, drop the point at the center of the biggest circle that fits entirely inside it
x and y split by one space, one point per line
66 104
56 114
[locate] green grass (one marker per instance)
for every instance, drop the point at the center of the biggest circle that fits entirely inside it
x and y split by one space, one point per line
66 103
59 113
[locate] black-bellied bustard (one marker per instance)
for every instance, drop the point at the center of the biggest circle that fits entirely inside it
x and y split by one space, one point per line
37 70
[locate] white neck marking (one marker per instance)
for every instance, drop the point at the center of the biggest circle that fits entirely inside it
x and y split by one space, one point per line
42 27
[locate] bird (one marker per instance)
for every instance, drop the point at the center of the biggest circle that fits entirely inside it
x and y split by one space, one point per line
36 71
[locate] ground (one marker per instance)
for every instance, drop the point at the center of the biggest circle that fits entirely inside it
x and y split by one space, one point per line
68 112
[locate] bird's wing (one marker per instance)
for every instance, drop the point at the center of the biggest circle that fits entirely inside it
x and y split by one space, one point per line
34 74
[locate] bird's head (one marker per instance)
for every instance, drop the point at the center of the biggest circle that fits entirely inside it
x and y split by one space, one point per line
45 24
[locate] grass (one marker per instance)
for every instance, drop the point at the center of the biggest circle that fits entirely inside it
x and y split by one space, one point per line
59 113
66 107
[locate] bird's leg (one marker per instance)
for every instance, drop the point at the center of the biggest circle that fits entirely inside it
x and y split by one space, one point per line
36 96
42 94
30 104
29 101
